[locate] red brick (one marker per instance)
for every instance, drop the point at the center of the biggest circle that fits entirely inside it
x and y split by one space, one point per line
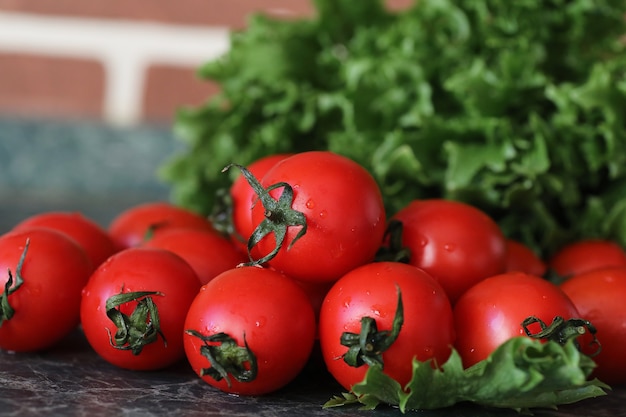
51 86
232 13
204 12
168 88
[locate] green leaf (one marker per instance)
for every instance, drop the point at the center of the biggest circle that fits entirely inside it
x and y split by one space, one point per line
521 374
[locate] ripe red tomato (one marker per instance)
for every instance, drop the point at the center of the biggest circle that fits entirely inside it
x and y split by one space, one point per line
372 291
90 235
243 197
162 286
492 311
45 304
253 311
208 253
520 257
599 296
131 227
343 210
454 242
586 255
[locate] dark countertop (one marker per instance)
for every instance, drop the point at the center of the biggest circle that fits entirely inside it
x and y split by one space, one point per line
71 380
100 171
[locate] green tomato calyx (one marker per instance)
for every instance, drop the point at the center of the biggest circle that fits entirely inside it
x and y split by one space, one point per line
367 347
227 358
561 331
279 216
6 310
141 327
394 250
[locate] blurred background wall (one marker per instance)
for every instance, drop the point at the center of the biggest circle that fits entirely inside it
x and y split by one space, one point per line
119 61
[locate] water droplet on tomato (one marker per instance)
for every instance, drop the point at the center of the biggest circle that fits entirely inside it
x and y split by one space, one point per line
323 214
449 247
310 204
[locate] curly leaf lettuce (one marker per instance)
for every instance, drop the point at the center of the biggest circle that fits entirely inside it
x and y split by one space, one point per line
516 107
521 374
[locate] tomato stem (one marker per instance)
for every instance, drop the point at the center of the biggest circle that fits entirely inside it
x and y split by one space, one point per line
367 346
279 216
394 251
6 310
227 358
561 331
141 327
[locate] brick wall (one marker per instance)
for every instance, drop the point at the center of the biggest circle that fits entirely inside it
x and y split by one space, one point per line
120 61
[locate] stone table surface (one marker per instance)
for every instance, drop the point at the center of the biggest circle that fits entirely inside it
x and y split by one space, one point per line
71 380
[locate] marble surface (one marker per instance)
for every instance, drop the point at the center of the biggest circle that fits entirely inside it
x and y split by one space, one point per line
99 171
71 380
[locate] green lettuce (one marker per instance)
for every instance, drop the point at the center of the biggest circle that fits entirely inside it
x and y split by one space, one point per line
521 374
516 107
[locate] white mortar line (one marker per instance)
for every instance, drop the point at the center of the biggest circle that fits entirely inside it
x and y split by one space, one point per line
125 48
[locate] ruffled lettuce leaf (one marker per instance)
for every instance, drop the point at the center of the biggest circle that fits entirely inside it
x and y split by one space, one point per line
521 374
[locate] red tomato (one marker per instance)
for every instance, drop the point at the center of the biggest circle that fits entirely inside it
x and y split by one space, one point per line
372 291
492 311
46 305
208 253
131 227
90 235
599 296
520 257
172 285
586 255
344 214
454 242
316 291
254 307
244 197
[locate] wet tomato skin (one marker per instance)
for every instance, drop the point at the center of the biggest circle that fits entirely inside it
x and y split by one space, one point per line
260 307
140 269
136 224
493 310
520 257
207 252
599 297
344 212
47 304
456 243
371 291
90 235
586 255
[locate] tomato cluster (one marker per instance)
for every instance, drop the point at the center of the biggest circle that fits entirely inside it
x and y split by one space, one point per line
311 255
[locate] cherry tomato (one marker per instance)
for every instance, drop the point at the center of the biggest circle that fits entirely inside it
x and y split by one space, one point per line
244 197
44 294
259 322
586 255
134 306
207 252
493 310
599 296
343 211
454 242
371 290
520 257
90 235
136 224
